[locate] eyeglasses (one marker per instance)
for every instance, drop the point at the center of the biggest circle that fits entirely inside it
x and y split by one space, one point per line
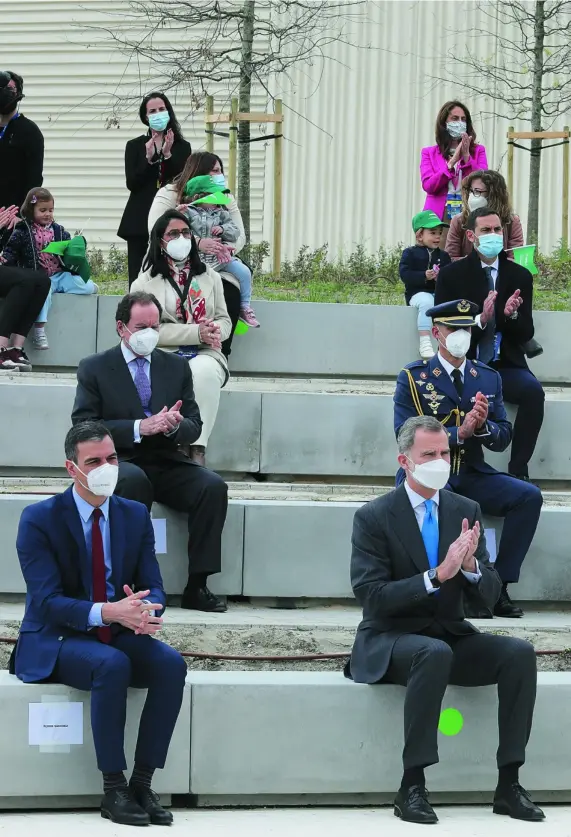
173 235
479 193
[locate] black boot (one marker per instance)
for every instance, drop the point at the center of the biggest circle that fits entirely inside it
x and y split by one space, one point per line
505 607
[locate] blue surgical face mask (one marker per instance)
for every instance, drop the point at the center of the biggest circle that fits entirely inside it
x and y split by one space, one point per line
219 179
490 245
159 121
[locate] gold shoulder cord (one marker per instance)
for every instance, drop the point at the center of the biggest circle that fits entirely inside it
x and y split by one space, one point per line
456 456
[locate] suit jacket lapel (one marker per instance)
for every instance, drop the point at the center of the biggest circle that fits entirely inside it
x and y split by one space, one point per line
407 530
125 384
158 383
117 541
73 521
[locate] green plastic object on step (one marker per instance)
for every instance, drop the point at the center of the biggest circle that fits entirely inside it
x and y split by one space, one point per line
241 327
525 257
73 255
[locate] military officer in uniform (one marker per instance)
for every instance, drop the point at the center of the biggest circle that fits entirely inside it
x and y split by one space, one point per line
466 397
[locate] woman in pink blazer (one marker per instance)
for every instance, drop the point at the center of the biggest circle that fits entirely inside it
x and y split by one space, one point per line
443 166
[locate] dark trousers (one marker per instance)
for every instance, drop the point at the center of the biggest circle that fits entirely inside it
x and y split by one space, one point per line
185 487
518 502
232 299
427 665
136 252
24 292
521 387
107 671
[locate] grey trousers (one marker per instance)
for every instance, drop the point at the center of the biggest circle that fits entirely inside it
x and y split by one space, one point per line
427 665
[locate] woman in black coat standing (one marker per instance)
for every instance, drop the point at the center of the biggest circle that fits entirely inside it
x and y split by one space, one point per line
151 161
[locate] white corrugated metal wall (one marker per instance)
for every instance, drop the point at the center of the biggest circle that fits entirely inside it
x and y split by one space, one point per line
353 138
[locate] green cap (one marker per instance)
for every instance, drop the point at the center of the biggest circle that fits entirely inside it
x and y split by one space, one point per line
426 220
217 198
203 185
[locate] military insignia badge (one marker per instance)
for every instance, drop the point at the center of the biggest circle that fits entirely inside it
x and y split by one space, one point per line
473 372
429 387
463 306
437 372
424 376
419 383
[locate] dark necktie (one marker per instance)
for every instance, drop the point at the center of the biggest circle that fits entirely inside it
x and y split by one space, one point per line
143 385
98 570
486 344
458 383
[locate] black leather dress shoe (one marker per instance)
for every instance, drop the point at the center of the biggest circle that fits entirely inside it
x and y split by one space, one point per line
149 802
515 802
119 806
505 607
202 599
412 805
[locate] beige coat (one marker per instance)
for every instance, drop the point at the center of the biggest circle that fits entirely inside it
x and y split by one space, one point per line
166 199
173 333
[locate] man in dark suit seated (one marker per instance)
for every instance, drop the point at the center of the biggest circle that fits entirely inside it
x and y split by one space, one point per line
503 291
415 550
94 601
466 397
145 397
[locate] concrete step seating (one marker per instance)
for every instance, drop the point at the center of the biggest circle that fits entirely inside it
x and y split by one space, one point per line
264 737
291 541
341 428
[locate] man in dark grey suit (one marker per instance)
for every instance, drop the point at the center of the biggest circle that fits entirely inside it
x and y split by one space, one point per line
415 551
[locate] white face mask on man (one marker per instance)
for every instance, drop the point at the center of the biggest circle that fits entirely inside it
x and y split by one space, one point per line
102 481
433 474
457 342
143 342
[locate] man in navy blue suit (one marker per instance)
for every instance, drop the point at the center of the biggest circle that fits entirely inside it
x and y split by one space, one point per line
466 397
94 599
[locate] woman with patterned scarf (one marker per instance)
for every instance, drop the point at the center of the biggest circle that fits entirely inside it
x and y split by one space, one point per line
194 320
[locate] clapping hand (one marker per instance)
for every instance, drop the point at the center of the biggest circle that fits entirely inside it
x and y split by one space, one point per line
513 304
8 217
460 553
465 147
475 419
488 308
173 417
168 143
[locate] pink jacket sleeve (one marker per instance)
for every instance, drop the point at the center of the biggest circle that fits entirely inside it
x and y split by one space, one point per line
434 180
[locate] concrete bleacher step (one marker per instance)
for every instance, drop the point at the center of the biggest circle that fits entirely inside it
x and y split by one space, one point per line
346 340
253 737
284 542
270 426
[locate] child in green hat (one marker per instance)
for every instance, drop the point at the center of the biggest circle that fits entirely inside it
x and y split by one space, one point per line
209 219
418 270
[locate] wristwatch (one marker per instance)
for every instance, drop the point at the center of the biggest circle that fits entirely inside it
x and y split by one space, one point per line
433 578
514 316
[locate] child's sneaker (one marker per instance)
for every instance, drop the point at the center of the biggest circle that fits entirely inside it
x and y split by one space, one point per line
247 316
425 348
22 360
40 340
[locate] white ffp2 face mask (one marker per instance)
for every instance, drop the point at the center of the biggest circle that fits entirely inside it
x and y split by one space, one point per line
476 201
179 248
433 474
102 481
143 342
458 342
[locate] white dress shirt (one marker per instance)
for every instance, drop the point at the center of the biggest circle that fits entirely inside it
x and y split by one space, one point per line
417 502
450 369
495 269
130 360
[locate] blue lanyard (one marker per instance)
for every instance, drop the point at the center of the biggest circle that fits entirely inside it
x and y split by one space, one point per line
3 130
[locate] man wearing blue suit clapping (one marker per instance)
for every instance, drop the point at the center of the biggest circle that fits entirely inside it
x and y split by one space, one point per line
94 599
466 397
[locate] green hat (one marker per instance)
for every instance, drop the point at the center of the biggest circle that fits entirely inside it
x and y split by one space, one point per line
203 185
217 198
73 254
427 220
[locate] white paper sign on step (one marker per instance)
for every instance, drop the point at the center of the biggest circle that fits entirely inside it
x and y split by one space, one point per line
55 723
160 527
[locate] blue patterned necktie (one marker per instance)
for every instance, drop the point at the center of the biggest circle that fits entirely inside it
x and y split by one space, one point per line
430 533
486 346
143 385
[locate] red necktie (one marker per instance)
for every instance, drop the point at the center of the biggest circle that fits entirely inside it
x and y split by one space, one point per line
98 569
